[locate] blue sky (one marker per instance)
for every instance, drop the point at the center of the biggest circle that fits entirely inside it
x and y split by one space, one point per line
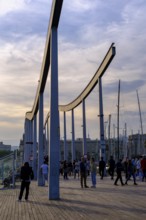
86 30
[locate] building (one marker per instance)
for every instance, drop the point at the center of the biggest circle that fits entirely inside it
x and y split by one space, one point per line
92 148
4 147
137 145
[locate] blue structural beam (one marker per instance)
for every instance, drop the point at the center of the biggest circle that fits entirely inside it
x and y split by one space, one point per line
54 121
65 146
28 141
40 144
101 119
84 129
34 162
73 135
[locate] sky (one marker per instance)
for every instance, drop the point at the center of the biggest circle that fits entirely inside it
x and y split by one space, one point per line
86 30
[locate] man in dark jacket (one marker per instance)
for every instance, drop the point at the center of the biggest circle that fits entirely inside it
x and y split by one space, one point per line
119 169
101 168
111 167
26 175
83 172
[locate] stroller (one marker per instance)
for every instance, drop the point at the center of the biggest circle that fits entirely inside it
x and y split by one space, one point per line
7 182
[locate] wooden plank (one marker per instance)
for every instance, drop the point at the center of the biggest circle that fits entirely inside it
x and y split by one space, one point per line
106 201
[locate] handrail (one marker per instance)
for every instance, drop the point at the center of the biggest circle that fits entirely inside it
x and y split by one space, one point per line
7 156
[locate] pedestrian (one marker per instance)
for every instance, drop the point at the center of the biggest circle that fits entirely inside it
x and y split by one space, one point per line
65 170
93 169
76 169
101 168
131 172
26 176
44 170
143 167
125 163
83 173
111 167
138 168
119 169
88 167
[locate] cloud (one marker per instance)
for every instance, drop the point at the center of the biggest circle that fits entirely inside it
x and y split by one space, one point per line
125 86
10 5
86 30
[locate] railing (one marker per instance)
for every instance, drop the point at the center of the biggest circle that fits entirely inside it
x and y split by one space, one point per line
10 169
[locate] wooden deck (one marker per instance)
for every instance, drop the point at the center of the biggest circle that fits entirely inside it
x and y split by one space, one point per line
104 202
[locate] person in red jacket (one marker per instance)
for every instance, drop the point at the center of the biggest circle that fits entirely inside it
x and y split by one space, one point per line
143 167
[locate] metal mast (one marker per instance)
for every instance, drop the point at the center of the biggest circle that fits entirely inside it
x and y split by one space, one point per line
140 117
118 147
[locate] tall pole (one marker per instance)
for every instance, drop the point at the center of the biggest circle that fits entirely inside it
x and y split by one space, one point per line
65 146
118 147
125 141
54 145
40 144
73 136
35 146
109 128
101 116
84 129
140 119
114 151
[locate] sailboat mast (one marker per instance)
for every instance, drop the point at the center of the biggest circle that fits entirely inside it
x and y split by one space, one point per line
140 117
118 147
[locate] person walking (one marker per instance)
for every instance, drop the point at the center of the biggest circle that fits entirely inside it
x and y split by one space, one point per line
119 169
93 172
131 172
76 169
83 173
111 167
26 176
143 167
44 170
138 168
101 168
125 163
65 170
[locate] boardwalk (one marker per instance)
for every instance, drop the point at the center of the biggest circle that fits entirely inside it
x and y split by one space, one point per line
105 202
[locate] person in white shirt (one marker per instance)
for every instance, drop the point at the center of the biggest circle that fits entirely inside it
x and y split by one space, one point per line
44 169
138 169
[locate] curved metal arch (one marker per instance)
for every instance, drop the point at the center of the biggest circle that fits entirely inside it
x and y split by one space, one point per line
102 68
88 89
54 21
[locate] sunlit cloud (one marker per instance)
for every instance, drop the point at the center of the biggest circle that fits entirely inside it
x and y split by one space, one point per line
86 30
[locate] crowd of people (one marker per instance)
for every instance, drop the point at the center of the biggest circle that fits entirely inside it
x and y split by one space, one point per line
134 168
123 170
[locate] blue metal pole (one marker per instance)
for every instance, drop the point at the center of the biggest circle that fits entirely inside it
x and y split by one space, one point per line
73 136
101 118
48 138
54 121
26 141
65 146
84 129
35 147
40 144
30 142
